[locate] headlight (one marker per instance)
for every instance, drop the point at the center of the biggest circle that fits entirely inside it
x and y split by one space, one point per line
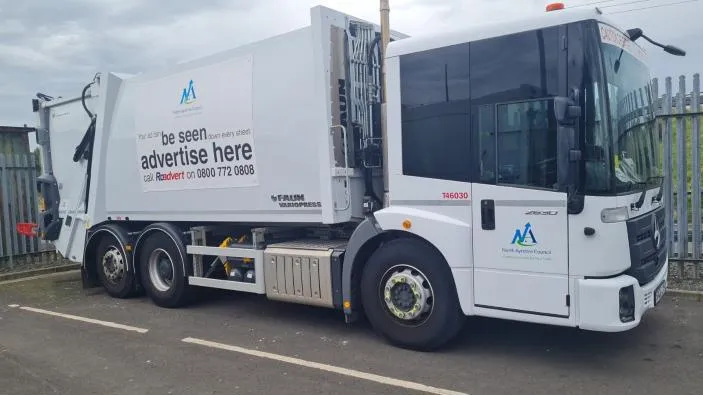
617 214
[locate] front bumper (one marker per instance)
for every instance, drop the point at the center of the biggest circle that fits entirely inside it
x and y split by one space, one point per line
599 301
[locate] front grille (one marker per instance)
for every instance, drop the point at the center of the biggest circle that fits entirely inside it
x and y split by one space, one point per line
647 259
644 236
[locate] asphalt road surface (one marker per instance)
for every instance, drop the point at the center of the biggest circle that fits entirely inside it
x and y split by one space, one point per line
56 338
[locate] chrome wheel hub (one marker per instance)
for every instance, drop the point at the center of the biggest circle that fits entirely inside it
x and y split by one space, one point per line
407 293
113 265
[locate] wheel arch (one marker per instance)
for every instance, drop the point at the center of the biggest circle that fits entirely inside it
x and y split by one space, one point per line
95 235
373 232
173 232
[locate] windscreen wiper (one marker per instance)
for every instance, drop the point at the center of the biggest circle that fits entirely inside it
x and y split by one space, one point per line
658 197
640 201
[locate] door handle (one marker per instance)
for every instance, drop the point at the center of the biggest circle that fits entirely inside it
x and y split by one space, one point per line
488 214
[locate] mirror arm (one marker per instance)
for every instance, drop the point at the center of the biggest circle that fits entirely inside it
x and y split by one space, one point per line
567 113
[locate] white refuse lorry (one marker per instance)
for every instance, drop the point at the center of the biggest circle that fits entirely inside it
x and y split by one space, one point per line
505 170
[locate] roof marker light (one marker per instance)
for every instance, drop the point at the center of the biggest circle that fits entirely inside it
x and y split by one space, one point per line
555 6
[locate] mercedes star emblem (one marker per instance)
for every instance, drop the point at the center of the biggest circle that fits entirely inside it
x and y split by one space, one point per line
656 234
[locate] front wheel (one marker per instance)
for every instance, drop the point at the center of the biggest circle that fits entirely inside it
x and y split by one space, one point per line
162 271
409 296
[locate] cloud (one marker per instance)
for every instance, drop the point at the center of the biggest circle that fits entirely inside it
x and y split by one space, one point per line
55 47
12 27
17 56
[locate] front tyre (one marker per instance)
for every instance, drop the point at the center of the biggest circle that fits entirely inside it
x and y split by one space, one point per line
409 296
162 274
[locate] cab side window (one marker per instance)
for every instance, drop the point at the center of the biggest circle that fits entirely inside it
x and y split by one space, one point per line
435 113
513 81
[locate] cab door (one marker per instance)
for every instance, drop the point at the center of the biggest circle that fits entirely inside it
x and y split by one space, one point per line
519 205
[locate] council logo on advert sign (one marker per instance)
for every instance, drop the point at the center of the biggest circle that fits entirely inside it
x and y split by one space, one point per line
188 104
188 94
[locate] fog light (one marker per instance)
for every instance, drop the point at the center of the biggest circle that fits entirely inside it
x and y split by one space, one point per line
627 304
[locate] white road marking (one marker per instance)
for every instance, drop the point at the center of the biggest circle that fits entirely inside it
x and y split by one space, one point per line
14 306
88 320
329 368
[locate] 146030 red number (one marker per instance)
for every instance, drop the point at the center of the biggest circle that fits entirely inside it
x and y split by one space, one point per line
455 195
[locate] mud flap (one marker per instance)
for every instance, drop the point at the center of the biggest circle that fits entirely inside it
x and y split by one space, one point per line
88 280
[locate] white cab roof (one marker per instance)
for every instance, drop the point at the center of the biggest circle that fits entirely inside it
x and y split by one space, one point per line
479 32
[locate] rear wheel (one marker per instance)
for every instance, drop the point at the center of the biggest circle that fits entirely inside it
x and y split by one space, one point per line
409 296
162 274
112 268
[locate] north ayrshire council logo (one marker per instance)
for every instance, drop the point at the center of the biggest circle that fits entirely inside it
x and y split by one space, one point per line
524 238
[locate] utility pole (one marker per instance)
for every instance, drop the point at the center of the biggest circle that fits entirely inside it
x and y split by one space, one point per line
385 39
385 23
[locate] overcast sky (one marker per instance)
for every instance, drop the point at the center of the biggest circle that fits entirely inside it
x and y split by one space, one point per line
56 46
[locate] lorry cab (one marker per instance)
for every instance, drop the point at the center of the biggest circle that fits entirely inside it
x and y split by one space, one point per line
527 153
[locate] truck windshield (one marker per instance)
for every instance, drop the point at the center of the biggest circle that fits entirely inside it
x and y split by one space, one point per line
635 147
